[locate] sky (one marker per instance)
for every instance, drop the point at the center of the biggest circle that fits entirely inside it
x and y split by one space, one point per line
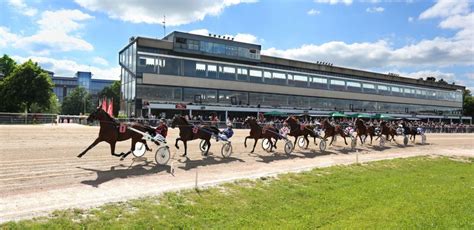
411 38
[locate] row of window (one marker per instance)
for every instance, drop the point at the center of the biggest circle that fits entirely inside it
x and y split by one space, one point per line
128 57
217 48
191 68
210 96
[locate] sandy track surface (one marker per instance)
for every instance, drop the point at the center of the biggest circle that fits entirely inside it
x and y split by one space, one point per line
39 171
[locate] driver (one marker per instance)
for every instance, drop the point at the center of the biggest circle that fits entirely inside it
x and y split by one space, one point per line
162 129
227 133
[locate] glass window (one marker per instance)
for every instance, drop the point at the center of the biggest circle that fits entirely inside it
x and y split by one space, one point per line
242 74
233 97
170 66
226 73
318 83
159 93
337 85
369 88
278 78
200 70
255 75
200 95
298 80
189 68
354 86
211 71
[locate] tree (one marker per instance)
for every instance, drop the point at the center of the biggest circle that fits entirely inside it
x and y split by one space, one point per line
28 84
76 102
7 65
468 103
54 106
112 91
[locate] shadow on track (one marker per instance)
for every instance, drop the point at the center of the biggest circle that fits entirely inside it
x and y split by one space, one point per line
113 173
206 161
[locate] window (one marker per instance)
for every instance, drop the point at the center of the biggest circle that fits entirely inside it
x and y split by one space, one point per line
200 70
298 80
226 73
337 82
211 71
337 85
242 74
255 75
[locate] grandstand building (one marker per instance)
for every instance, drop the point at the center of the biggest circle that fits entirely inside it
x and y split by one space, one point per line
195 74
64 85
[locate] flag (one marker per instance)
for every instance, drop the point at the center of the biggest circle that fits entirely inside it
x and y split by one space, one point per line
104 104
110 110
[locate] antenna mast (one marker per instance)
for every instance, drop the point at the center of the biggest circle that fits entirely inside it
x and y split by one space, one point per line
164 25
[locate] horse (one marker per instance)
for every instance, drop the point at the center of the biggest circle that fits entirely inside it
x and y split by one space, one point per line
331 131
258 132
409 129
109 132
363 130
188 132
297 129
387 130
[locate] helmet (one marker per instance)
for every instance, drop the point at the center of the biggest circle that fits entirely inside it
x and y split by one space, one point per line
229 124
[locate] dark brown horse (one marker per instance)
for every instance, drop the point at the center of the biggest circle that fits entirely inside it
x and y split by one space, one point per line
110 133
189 132
331 131
297 129
258 132
387 130
363 130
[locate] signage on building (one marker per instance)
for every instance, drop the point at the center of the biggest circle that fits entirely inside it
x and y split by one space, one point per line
180 106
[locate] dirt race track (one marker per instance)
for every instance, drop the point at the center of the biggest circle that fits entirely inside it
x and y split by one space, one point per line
39 171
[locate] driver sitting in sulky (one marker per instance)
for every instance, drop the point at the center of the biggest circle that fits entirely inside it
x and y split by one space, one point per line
162 129
227 133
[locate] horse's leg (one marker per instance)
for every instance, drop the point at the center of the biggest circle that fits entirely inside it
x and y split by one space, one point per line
332 139
97 141
271 143
371 137
112 150
344 136
208 141
360 137
254 144
307 140
275 143
132 148
185 147
245 141
176 144
146 146
296 138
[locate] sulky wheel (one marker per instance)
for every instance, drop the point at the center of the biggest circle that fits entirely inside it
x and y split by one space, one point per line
405 140
266 145
226 150
382 141
140 149
203 146
288 147
423 139
162 155
353 143
302 143
322 145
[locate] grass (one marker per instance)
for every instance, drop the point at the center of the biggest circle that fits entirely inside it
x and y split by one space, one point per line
421 193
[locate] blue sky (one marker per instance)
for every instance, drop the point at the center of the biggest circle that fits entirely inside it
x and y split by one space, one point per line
412 38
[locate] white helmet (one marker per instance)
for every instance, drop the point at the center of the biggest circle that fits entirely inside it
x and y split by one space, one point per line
229 124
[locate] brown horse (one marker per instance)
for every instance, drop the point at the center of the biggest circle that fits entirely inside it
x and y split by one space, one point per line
297 129
387 130
188 132
110 133
258 132
331 131
363 130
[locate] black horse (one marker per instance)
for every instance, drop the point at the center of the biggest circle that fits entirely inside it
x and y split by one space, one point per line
188 132
110 133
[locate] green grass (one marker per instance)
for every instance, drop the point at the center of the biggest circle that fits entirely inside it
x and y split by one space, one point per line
421 193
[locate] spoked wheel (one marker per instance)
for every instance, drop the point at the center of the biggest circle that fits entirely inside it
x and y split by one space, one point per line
162 155
140 150
266 145
382 141
302 143
353 143
203 146
226 150
288 147
405 140
423 139
322 145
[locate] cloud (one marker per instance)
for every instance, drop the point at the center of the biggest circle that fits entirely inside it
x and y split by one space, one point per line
241 37
178 12
6 38
56 32
67 68
410 19
313 12
100 61
22 8
445 8
333 2
375 9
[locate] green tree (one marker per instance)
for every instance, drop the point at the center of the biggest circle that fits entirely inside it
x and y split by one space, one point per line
76 102
54 106
112 91
468 103
28 84
7 65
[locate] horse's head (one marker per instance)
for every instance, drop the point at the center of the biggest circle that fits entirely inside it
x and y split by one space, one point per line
249 120
291 120
359 122
97 114
178 120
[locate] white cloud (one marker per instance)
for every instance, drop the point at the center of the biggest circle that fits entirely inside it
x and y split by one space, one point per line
178 12
241 37
56 33
445 8
6 38
100 61
410 19
22 8
375 9
313 12
333 2
67 68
